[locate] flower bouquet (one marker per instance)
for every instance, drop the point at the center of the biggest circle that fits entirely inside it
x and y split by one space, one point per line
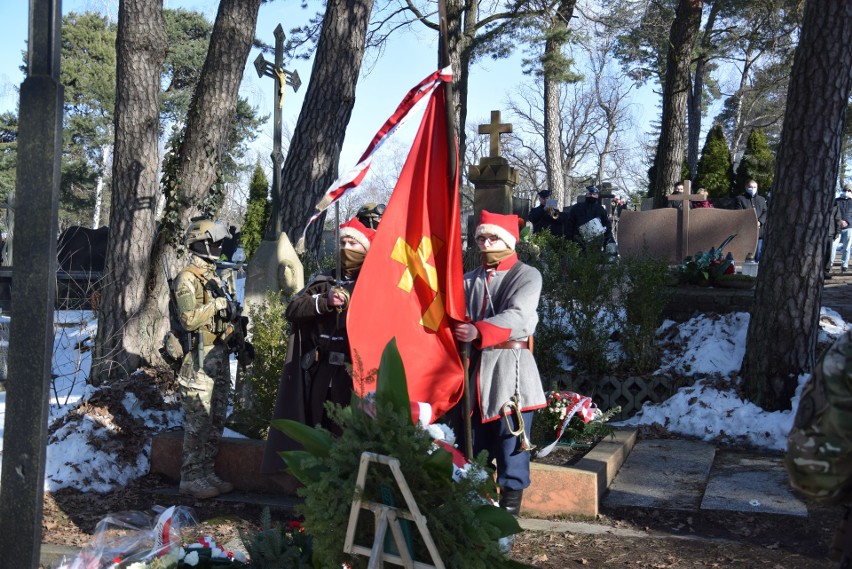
150 540
561 408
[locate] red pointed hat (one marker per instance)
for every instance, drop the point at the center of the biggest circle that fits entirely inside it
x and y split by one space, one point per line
358 231
503 226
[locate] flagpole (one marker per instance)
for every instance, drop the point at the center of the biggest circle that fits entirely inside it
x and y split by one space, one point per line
464 352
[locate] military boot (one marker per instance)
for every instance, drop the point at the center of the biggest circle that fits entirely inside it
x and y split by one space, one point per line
199 488
223 486
510 500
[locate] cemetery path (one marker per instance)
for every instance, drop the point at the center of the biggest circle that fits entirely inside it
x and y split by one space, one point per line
837 293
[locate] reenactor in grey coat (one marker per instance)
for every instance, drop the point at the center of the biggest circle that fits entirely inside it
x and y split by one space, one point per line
502 297
205 373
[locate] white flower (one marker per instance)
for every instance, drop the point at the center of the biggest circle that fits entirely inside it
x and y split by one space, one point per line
441 432
191 559
137 565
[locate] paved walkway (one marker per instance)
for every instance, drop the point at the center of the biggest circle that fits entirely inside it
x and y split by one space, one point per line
674 474
837 293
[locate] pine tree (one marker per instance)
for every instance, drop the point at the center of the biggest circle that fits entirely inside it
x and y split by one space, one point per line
715 171
758 163
257 212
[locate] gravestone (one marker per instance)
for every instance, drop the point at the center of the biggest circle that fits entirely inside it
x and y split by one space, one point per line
655 232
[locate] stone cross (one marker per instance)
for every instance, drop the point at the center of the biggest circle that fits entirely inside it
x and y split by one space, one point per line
282 78
686 198
495 129
34 274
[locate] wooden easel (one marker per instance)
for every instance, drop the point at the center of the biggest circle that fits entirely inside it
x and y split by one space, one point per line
388 516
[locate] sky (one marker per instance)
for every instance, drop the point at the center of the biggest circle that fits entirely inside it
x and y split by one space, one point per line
709 347
409 58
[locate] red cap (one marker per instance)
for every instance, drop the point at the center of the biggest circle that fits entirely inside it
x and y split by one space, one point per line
503 226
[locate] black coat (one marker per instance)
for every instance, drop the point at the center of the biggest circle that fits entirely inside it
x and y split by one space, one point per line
582 213
756 202
313 371
845 207
541 219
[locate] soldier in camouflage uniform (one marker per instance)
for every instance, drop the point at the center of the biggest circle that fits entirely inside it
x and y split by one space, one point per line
205 374
819 448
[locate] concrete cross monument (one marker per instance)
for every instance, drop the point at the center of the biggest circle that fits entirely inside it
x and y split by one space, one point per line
686 198
31 328
493 179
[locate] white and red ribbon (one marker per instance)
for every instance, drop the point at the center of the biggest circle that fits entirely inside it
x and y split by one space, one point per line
352 178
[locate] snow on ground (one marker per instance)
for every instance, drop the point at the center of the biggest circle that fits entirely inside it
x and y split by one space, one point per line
83 451
714 345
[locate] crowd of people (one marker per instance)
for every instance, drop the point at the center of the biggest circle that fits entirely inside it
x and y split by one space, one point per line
502 296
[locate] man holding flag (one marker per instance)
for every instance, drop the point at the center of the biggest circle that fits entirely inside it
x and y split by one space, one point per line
502 300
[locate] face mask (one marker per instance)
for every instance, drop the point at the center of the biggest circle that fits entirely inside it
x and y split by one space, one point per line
751 191
492 258
591 199
351 260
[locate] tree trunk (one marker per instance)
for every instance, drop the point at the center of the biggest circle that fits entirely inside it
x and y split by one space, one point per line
556 39
135 338
140 52
208 122
311 163
672 144
737 131
696 93
783 330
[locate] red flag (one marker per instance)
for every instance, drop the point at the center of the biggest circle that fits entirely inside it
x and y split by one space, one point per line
411 281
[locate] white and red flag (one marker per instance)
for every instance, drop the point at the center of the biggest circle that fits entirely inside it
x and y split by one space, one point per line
352 178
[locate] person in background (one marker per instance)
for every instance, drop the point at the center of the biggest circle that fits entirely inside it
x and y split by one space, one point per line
702 204
370 215
502 298
750 199
677 189
585 212
318 358
544 215
844 236
835 226
205 373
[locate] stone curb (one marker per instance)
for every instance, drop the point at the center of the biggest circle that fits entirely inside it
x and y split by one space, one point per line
561 490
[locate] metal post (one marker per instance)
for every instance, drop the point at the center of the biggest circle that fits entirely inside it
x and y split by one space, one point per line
34 283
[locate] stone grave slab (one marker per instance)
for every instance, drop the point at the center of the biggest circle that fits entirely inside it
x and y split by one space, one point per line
745 482
662 473
655 232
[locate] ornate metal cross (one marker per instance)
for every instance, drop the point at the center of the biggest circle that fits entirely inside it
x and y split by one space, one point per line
282 78
495 129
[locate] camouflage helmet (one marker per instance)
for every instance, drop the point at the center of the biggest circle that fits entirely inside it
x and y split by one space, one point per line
203 236
370 214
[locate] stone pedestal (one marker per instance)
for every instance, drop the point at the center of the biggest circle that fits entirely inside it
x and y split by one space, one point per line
493 180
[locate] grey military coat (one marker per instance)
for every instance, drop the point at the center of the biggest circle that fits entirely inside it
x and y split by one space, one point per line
504 302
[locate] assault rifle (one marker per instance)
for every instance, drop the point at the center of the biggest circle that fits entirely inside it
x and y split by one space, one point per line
234 314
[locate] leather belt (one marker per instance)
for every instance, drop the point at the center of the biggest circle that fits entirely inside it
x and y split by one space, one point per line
515 345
